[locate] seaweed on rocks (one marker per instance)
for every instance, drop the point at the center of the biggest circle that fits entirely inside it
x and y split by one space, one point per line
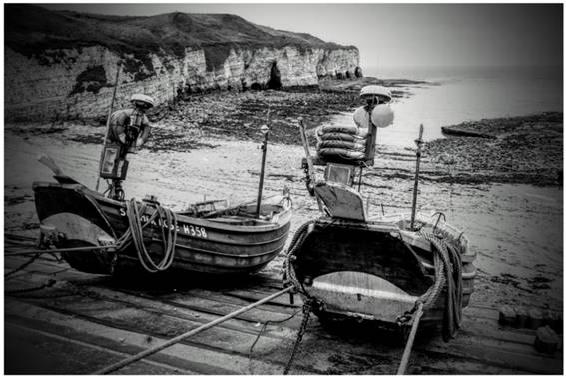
525 149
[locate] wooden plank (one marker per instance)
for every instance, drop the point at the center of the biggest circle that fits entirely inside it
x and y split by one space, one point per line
338 345
203 360
165 309
316 361
164 325
191 315
27 343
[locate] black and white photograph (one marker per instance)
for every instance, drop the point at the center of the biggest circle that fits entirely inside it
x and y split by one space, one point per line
261 188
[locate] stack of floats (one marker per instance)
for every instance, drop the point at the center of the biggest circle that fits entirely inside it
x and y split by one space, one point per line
342 142
355 144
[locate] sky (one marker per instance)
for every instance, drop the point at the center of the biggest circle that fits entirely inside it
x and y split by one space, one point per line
400 35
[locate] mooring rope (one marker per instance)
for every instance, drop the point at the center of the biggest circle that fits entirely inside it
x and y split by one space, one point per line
289 276
452 269
448 270
263 329
134 234
50 282
163 216
409 345
22 266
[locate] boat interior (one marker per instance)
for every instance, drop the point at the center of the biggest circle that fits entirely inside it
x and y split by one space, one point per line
242 215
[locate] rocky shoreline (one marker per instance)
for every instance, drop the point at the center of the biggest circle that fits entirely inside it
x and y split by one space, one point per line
527 150
240 115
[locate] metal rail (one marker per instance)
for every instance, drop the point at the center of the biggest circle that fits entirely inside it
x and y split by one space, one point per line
175 340
58 250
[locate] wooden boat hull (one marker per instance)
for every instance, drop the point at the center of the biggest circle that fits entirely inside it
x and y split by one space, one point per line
372 270
212 246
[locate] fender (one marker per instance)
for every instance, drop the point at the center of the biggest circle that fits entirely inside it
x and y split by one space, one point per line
343 136
352 130
341 153
353 146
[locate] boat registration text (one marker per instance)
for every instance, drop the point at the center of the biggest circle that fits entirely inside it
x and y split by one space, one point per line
187 229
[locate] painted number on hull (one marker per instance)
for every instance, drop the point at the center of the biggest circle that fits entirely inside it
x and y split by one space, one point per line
197 231
187 229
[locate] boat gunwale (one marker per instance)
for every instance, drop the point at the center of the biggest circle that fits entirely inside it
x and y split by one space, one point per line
284 216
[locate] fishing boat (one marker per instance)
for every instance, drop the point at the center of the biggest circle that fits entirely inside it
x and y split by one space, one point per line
207 237
385 269
108 234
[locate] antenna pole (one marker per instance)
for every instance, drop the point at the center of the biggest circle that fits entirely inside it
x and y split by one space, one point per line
265 131
108 122
419 143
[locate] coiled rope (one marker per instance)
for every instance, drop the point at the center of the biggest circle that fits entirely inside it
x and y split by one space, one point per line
134 234
448 272
164 217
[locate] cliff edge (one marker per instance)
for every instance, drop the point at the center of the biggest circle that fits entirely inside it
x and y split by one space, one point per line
62 65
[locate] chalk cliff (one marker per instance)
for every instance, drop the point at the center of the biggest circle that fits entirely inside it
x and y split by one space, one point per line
62 65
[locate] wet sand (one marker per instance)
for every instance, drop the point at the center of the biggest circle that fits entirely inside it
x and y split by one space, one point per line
515 229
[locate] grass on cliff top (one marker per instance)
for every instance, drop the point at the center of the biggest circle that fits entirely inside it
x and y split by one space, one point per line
31 30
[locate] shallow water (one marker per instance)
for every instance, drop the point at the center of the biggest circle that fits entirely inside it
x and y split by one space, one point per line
466 95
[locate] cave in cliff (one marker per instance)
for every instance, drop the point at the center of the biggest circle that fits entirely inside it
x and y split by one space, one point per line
275 77
209 52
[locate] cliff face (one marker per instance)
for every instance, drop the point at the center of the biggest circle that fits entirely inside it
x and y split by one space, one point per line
63 65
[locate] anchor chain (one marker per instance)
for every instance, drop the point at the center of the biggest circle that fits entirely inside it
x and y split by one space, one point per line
307 308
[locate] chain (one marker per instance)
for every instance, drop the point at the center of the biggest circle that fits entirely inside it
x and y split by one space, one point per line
307 306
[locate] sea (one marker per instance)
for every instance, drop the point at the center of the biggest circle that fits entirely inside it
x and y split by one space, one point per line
458 94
